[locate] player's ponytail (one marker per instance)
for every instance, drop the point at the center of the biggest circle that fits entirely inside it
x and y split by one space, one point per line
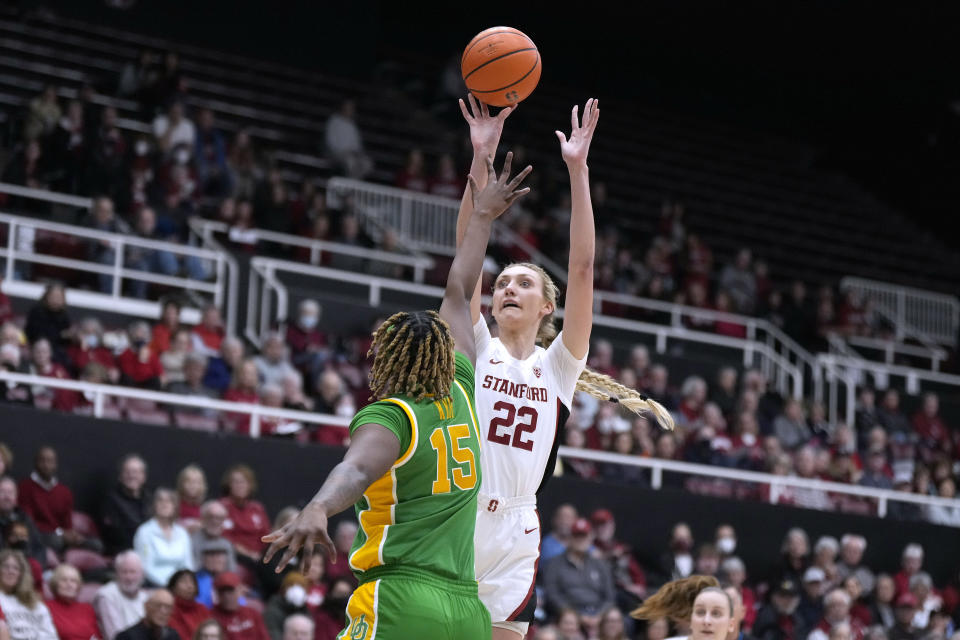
596 384
675 599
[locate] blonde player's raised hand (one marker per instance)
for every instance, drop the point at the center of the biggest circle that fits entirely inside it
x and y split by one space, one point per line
485 129
575 149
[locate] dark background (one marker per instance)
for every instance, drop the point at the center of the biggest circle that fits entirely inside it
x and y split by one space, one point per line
869 84
290 474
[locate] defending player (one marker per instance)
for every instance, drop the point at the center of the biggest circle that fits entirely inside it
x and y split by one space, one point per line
412 470
524 391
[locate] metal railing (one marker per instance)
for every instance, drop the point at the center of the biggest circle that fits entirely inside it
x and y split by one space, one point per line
267 289
658 466
419 263
425 221
20 250
101 392
890 349
915 313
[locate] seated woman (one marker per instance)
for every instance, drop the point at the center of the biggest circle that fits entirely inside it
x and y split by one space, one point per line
27 617
163 545
73 620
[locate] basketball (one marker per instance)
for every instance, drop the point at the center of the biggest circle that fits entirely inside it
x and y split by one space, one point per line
501 66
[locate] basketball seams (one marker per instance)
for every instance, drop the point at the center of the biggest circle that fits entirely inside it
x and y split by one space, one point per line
500 57
536 64
477 39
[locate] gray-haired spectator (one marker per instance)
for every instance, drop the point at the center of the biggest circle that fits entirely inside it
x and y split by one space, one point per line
298 627
740 283
272 363
911 561
140 364
120 604
852 548
825 552
345 144
836 611
209 538
194 367
293 394
271 395
921 587
332 396
221 366
693 395
790 427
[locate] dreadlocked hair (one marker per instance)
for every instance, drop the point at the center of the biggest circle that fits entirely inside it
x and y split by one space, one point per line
413 356
598 385
675 599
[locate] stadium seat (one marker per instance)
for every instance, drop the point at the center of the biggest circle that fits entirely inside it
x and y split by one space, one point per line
84 525
156 417
85 560
88 590
195 421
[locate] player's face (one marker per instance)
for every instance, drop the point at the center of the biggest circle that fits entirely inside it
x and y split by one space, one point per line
711 619
518 299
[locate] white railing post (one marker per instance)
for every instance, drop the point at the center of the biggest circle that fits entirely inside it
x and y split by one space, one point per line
98 401
254 424
882 507
11 250
118 250
656 477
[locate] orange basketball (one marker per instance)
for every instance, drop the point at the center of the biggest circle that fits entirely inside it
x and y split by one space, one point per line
501 66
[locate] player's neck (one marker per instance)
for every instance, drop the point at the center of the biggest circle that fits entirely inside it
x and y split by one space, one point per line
519 344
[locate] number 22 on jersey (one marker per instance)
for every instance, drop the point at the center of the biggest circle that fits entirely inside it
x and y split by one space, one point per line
446 442
526 423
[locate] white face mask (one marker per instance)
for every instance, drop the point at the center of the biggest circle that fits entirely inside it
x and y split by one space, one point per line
727 545
308 321
182 156
296 595
141 147
92 340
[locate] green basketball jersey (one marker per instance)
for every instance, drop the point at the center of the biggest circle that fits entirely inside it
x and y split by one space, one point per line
422 513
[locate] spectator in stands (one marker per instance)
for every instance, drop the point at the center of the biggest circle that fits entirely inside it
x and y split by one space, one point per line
244 168
240 622
48 502
127 505
220 367
290 600
911 561
941 514
49 320
106 160
297 627
929 426
293 394
11 514
272 364
577 579
28 167
693 397
882 605
858 608
139 364
738 280
790 427
174 131
851 561
243 388
155 624
836 605
413 175
102 218
805 467
889 415
210 157
779 620
877 474
208 335
905 612
825 553
351 235
345 144
194 367
815 586
162 544
446 182
42 364
73 620
555 542
88 347
42 114
247 519
678 562
120 604
67 146
724 392
164 330
726 327
734 573
330 618
173 360
188 614
213 517
149 260
628 577
26 614
332 395
191 492
308 345
210 630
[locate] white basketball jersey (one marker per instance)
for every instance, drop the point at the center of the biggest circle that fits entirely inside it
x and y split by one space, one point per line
521 405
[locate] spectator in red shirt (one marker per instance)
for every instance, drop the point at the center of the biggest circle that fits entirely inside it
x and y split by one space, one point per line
308 345
243 388
911 561
412 176
727 327
49 503
735 573
447 182
836 611
247 519
73 620
928 425
694 396
192 489
42 364
240 622
140 365
601 359
169 323
88 347
208 335
330 618
188 614
628 577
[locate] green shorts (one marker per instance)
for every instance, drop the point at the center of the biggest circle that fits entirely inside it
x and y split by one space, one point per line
401 603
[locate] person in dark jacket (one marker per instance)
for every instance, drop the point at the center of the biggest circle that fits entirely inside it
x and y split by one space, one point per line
779 620
154 625
126 506
49 319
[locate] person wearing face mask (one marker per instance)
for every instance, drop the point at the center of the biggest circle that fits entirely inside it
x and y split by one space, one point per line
330 617
308 345
780 619
696 601
188 614
290 600
725 540
88 347
678 561
140 365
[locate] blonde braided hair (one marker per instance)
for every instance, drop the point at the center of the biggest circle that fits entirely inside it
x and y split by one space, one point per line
598 385
413 356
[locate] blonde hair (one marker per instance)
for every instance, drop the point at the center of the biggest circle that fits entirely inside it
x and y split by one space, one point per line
23 591
598 385
182 479
675 599
412 356
58 575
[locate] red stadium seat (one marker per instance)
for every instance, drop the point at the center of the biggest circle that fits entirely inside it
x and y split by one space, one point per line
84 525
140 405
196 421
156 417
88 591
85 560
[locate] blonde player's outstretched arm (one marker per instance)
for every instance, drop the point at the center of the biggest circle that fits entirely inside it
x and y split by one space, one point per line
485 131
578 309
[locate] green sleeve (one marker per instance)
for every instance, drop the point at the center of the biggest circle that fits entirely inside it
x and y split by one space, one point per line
388 415
464 373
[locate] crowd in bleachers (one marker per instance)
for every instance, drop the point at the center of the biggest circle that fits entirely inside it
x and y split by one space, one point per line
152 557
